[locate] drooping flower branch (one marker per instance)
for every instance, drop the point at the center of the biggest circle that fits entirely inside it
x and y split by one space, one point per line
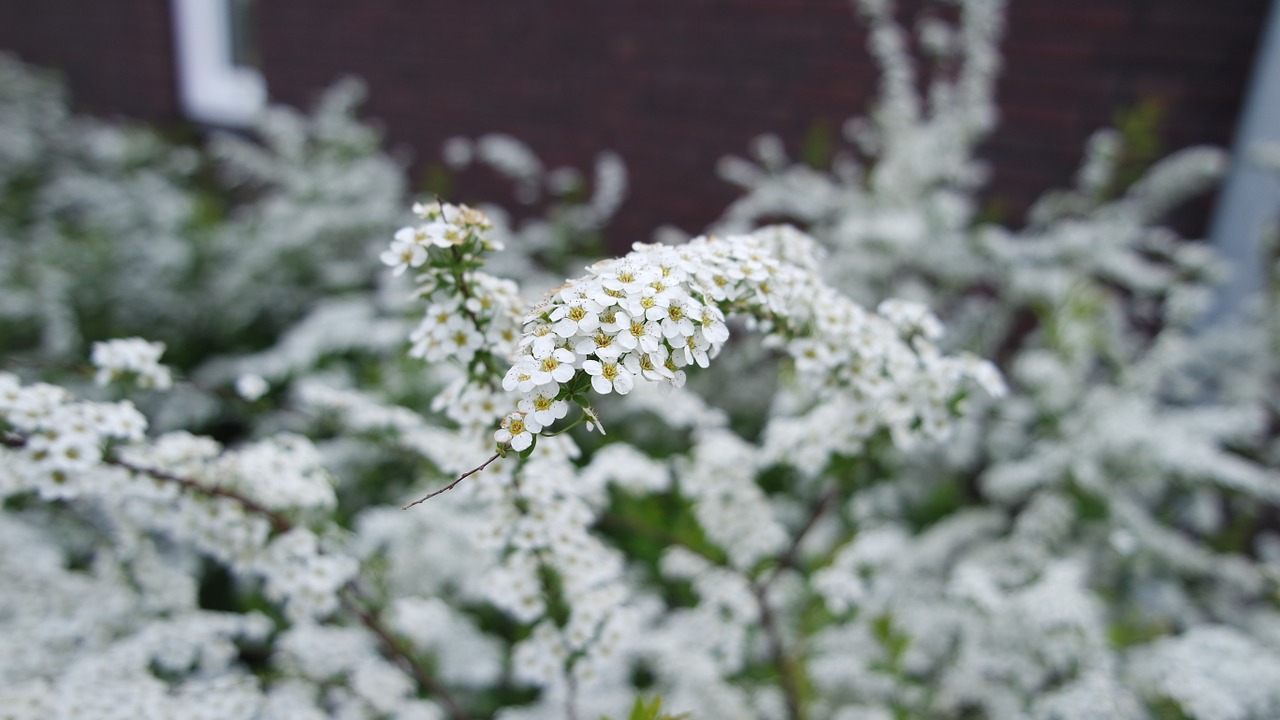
660 309
649 315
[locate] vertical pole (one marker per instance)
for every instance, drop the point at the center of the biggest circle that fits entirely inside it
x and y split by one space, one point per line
1250 198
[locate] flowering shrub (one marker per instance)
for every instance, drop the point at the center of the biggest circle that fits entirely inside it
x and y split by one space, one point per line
803 507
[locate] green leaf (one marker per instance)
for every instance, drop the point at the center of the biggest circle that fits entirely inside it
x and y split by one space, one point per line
650 711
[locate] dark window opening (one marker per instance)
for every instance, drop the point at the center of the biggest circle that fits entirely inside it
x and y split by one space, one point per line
242 33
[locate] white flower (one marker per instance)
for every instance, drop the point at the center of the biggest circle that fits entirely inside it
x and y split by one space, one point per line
811 356
637 333
473 405
595 291
517 430
445 332
543 408
463 340
650 366
694 350
251 387
554 367
444 234
649 303
911 318
677 321
676 376
609 377
593 420
612 319
426 211
131 356
404 254
713 325
580 317
539 338
627 276
601 345
520 376
66 451
119 420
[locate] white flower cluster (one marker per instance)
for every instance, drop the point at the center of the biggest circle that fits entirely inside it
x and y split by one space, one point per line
1213 671
251 386
730 507
64 438
292 463
340 673
694 649
444 226
660 309
589 645
455 327
468 311
301 577
62 448
644 316
431 624
131 357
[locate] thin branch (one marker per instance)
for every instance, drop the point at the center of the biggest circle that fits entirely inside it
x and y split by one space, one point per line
279 523
570 696
453 484
358 606
460 278
788 669
789 675
792 556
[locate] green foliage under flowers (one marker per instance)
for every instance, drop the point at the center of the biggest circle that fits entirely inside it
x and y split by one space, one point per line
650 711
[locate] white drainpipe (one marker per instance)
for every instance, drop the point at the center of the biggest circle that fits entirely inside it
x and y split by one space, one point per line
1250 197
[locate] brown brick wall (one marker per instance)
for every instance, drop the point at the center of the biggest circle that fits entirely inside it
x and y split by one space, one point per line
672 85
675 84
116 55
1070 68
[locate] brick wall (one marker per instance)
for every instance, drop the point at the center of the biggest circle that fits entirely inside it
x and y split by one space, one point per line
672 85
675 84
116 55
1071 67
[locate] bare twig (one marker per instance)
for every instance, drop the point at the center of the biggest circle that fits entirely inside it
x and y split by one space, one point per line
279 523
792 555
570 697
788 669
789 674
453 484
356 602
460 278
